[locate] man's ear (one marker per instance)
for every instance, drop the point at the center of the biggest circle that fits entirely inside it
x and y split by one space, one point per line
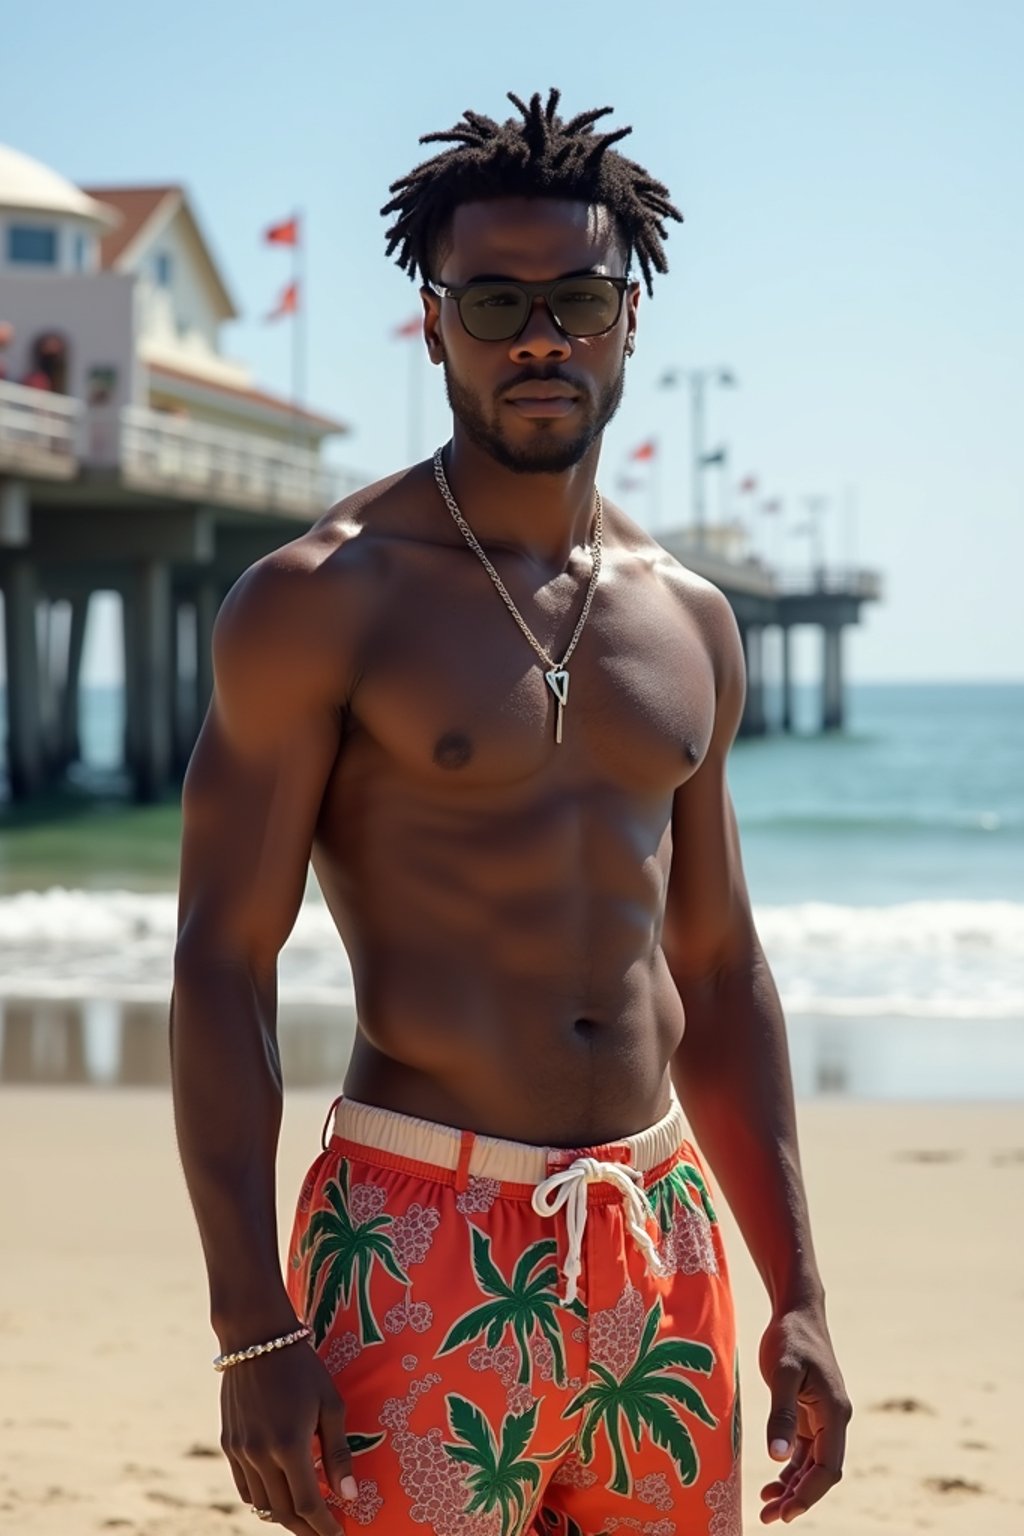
432 325
632 305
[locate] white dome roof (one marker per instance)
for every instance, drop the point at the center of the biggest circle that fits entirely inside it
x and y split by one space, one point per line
25 183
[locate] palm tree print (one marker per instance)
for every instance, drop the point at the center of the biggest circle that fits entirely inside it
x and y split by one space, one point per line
357 1443
643 1398
674 1189
527 1303
343 1253
500 1477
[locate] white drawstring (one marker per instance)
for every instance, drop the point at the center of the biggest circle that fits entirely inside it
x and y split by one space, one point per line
568 1187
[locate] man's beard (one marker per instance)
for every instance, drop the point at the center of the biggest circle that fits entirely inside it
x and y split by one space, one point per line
547 454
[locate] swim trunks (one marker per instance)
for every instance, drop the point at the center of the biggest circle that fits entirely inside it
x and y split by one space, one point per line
526 1339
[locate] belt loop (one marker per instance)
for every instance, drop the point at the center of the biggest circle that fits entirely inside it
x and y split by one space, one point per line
467 1143
330 1112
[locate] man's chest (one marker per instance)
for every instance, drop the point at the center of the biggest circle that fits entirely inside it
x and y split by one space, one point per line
452 688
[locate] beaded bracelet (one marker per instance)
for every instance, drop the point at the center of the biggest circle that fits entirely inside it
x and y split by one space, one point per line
236 1356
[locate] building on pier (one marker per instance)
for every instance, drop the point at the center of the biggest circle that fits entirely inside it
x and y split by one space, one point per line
134 457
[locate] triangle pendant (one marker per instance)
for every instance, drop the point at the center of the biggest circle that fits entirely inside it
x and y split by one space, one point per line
558 681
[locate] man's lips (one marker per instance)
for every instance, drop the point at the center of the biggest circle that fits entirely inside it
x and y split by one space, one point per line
542 389
543 397
543 405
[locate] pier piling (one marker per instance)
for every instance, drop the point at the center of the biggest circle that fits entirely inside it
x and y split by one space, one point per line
25 764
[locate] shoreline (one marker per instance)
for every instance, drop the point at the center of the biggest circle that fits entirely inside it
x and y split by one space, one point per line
105 1043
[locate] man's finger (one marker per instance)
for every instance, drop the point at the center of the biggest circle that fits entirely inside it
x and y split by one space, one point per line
303 1493
776 1492
239 1476
335 1451
824 1467
256 1492
785 1386
779 1485
814 1484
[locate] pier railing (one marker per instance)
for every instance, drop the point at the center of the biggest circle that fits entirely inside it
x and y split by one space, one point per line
830 581
181 456
40 433
50 437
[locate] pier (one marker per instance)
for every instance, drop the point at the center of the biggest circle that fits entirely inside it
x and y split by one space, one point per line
762 598
168 520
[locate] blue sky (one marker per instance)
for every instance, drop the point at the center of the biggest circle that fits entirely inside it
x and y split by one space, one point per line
853 244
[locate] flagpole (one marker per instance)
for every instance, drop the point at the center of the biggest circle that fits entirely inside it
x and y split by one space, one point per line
298 323
697 450
656 489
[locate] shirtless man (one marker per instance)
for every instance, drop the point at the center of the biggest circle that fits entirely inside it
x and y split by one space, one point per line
506 1259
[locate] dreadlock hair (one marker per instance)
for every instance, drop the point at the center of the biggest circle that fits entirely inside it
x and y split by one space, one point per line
536 155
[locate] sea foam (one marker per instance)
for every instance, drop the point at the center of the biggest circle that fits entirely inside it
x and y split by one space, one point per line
953 959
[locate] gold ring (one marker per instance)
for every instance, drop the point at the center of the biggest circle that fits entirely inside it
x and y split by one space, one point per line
262 1514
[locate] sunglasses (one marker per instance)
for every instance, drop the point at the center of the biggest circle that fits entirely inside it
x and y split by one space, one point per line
498 311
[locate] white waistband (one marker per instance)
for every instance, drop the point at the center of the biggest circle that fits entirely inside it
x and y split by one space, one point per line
512 1162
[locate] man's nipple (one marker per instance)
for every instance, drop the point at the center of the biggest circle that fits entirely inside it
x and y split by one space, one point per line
453 750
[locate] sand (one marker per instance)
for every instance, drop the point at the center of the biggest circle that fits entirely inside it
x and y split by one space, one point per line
108 1407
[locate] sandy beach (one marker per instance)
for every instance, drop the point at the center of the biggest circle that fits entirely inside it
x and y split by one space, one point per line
108 1407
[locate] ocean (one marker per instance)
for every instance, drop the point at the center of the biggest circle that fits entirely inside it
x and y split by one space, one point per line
885 864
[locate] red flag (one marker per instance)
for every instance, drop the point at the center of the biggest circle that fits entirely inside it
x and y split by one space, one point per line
645 452
283 234
749 483
287 304
408 327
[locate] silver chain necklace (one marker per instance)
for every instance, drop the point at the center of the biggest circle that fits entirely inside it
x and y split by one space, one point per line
556 674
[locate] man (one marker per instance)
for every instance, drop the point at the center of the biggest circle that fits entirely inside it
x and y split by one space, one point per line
6 337
507 1257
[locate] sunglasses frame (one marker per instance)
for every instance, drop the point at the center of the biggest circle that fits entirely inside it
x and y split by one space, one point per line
533 291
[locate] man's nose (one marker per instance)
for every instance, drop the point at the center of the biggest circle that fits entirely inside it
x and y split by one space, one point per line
540 337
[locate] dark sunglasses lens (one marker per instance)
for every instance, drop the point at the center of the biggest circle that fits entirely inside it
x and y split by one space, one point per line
586 306
493 311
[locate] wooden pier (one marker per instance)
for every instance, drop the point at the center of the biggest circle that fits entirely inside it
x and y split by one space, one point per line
168 514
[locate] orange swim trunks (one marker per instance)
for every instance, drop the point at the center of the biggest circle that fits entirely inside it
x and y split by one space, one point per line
526 1339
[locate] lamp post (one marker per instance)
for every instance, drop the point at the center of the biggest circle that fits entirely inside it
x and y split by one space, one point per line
697 379
816 506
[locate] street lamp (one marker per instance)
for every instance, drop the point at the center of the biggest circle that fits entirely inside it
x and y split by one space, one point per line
697 379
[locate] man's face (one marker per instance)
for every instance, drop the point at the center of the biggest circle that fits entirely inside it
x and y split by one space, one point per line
530 240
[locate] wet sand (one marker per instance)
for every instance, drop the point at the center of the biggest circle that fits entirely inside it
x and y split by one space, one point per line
108 1407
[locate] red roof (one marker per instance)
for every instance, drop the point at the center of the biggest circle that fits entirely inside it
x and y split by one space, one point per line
136 205
253 396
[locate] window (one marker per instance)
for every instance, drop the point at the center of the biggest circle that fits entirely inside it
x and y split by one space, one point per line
81 252
32 243
162 268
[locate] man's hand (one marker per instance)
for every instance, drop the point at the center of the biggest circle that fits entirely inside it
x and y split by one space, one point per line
809 1413
271 1409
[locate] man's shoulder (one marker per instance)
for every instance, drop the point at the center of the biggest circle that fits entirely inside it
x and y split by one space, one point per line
699 598
296 618
328 569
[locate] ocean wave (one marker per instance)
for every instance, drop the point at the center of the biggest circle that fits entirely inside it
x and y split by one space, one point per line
946 926
926 959
896 823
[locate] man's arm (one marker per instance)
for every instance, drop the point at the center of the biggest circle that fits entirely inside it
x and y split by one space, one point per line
251 800
732 1075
